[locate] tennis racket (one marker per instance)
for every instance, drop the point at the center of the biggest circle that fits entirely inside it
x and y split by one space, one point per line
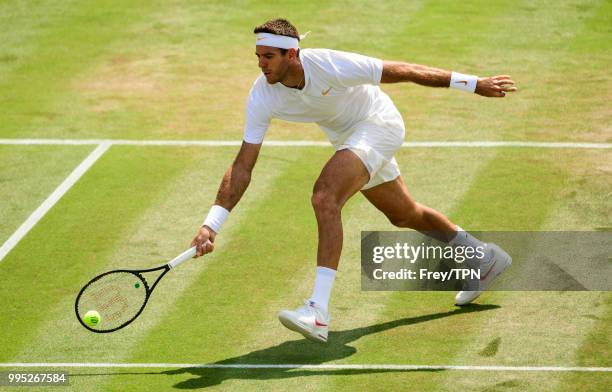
120 296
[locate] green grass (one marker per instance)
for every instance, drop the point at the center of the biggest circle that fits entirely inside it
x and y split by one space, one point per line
158 71
28 174
254 260
162 70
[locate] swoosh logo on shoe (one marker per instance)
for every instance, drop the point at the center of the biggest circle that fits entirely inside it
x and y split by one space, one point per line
489 271
325 92
318 324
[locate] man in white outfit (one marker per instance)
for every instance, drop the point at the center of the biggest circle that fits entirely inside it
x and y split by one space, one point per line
340 92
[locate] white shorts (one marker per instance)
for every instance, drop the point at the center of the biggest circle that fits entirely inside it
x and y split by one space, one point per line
375 141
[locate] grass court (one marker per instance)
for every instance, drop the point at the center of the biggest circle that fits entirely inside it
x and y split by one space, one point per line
181 71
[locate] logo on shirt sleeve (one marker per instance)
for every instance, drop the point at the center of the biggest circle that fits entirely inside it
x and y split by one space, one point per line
325 92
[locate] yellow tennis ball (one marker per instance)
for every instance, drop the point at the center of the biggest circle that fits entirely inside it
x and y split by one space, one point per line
92 318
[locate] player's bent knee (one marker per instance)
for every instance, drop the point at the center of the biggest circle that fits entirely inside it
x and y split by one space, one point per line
324 203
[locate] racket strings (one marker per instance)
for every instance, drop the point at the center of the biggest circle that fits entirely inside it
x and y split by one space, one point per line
118 297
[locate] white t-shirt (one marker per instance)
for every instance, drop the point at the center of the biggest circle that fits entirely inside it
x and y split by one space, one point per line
341 89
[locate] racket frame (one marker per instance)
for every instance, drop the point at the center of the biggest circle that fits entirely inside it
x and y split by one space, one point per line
186 255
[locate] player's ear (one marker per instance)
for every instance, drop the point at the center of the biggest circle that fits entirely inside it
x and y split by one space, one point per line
292 54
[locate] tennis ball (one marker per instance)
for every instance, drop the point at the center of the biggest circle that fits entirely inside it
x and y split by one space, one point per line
92 318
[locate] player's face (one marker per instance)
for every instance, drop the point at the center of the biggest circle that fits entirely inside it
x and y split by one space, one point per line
272 63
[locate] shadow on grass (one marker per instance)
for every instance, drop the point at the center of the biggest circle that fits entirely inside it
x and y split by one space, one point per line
301 352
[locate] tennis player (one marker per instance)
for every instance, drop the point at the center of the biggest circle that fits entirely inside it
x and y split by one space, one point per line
340 92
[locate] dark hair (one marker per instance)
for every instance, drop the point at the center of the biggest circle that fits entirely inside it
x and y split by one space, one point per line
278 27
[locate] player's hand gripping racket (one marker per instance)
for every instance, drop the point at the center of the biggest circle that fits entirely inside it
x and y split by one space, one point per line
119 296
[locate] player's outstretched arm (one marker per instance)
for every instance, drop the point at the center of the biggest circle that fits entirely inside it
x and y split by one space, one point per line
235 182
396 72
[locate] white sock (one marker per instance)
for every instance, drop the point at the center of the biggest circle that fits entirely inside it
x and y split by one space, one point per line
323 286
463 238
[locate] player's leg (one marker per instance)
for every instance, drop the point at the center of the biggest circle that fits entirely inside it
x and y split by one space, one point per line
393 199
343 175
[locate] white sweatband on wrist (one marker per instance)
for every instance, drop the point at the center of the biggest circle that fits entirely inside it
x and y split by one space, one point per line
215 218
463 82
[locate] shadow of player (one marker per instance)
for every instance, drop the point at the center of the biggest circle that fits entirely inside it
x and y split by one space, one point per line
302 352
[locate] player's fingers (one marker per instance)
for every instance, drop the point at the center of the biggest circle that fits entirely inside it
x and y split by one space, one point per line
505 90
497 77
200 248
208 247
502 82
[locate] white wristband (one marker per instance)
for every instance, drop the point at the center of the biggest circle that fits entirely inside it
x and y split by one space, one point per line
463 82
215 218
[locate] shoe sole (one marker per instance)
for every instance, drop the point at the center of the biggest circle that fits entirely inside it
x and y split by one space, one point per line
505 262
296 326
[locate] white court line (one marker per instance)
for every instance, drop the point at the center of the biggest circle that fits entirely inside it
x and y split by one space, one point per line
52 199
303 143
302 366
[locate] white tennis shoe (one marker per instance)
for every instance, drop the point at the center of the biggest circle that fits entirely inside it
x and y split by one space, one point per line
489 270
309 320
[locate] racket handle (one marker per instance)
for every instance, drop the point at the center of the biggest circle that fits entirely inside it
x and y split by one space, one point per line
186 255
